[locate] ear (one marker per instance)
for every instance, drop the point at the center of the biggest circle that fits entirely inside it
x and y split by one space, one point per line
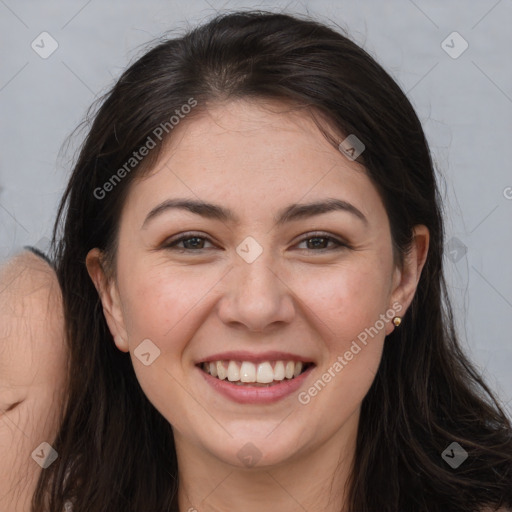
406 277
109 295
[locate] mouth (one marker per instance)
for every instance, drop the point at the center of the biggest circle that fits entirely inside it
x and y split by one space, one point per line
254 375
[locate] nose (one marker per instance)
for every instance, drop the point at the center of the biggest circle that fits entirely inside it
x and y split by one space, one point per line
256 296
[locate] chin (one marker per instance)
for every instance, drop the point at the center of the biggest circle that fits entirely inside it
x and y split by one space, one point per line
256 451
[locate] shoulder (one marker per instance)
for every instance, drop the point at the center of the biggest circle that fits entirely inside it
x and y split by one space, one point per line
29 289
33 369
31 320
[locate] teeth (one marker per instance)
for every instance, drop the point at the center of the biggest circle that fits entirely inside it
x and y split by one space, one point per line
265 373
233 371
289 370
221 371
279 371
247 372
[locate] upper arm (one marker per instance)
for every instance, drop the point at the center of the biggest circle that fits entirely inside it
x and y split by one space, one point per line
32 372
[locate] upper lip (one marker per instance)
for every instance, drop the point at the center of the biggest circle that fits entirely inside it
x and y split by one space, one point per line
240 355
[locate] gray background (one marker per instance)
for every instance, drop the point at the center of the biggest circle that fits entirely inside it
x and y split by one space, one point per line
465 104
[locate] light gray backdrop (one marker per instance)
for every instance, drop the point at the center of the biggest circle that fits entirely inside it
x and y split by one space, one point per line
463 96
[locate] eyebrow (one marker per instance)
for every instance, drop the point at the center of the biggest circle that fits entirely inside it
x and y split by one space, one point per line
290 213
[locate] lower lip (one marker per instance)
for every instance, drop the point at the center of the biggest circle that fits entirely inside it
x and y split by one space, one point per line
253 394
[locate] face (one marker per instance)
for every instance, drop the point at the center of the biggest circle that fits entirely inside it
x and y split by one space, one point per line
260 291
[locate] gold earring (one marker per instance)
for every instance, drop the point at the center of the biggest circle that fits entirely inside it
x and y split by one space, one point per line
397 320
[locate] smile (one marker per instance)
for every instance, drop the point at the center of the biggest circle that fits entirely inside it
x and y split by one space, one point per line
266 373
264 380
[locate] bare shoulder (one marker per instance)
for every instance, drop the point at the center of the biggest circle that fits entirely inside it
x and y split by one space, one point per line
31 320
30 308
33 368
28 279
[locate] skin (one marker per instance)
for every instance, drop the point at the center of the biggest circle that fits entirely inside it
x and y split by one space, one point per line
32 373
256 158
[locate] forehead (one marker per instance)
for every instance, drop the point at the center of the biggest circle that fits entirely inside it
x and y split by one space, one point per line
264 130
253 153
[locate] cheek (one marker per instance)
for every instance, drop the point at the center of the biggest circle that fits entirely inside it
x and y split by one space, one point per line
347 300
163 305
158 301
339 304
168 305
348 306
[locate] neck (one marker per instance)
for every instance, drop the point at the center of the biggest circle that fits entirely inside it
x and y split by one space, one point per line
312 481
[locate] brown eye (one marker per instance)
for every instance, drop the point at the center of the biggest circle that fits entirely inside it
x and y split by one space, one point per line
315 243
319 242
190 243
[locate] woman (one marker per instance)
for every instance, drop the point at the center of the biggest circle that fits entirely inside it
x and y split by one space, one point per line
305 357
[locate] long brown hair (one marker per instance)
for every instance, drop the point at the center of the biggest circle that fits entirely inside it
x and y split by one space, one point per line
116 451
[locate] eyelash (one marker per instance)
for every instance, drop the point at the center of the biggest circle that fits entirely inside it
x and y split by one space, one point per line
322 236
